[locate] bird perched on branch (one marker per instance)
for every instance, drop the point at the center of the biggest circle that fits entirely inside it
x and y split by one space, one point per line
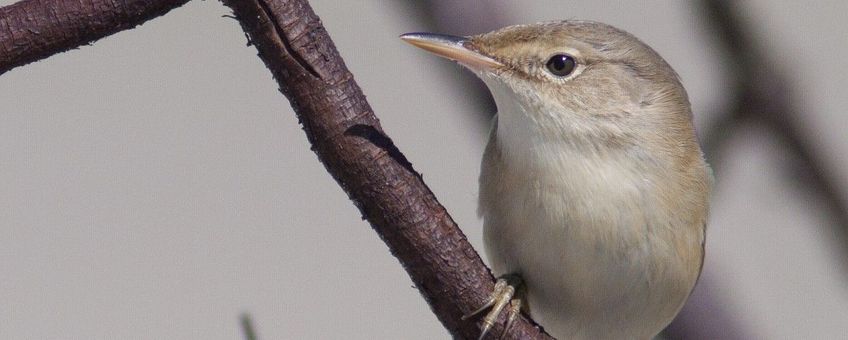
593 188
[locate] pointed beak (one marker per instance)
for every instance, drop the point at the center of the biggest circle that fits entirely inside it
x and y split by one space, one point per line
453 48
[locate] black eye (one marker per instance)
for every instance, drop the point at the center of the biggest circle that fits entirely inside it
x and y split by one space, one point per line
561 65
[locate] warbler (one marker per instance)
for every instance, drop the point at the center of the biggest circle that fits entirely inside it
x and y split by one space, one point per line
594 191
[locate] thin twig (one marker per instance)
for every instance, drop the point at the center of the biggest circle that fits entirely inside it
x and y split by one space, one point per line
247 327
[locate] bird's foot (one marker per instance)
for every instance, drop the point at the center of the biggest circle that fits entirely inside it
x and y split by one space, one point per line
503 295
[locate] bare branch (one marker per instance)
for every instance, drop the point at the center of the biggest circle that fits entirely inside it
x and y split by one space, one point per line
32 30
348 139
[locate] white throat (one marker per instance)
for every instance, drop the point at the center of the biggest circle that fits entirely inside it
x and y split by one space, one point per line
527 134
553 147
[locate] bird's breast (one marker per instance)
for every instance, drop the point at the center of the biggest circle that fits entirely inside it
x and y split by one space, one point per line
588 233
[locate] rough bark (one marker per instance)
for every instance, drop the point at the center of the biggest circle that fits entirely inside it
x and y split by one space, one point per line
348 138
31 30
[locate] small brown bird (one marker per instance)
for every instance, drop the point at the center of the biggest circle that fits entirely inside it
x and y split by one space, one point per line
593 188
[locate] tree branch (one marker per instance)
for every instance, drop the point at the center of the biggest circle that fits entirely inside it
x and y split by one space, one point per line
32 30
348 139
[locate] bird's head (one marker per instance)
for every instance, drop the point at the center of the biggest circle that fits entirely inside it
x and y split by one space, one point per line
583 77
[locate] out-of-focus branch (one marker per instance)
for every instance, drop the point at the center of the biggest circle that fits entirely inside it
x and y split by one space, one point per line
348 139
32 30
247 327
763 95
705 316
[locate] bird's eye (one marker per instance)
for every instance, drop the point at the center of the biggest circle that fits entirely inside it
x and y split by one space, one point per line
561 65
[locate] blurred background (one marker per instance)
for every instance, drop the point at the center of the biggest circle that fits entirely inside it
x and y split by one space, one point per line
155 185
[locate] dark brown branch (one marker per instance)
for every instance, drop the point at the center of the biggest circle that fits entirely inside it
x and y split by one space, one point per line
32 30
348 138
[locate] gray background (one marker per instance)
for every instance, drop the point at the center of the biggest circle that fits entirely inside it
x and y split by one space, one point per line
155 185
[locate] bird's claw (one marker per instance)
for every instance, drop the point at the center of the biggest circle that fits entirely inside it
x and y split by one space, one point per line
501 296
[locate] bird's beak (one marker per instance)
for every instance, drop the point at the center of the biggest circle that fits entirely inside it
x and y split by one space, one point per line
454 48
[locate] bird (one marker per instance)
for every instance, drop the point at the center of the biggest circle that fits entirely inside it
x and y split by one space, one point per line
593 189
